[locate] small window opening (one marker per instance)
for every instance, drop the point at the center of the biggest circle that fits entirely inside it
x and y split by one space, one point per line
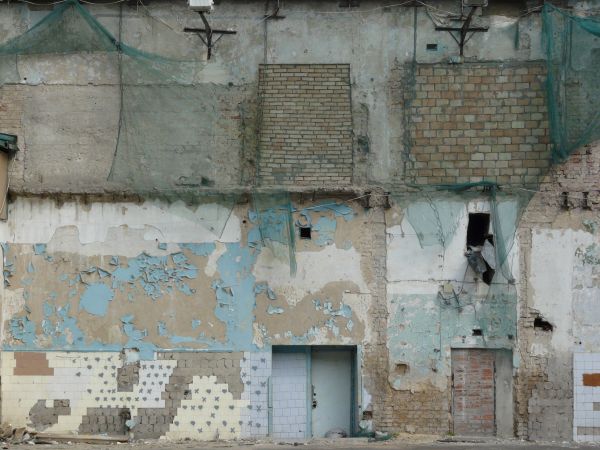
565 200
586 201
540 323
477 332
432 47
305 232
478 229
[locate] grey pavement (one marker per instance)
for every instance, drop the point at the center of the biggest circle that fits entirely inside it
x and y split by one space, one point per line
351 444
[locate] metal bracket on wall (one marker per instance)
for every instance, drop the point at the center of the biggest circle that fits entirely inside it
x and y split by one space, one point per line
208 33
275 14
464 30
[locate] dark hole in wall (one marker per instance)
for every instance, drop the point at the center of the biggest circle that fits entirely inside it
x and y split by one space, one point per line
488 275
477 332
432 47
401 369
586 201
305 232
539 323
565 200
478 229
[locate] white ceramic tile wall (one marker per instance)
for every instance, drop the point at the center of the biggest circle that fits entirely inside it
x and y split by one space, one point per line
289 380
86 380
584 397
211 414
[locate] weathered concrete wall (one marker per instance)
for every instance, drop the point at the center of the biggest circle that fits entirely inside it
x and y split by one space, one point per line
79 130
117 283
436 303
559 236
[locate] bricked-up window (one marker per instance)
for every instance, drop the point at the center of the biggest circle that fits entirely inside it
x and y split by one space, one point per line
306 125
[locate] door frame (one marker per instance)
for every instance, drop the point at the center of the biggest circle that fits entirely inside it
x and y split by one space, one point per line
308 351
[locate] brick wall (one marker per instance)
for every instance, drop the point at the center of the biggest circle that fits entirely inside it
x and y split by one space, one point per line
473 392
471 122
305 125
569 197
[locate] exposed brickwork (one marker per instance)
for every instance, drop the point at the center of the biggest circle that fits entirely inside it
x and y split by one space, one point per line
11 108
12 100
543 389
155 422
105 420
424 412
398 411
473 392
471 122
128 376
43 416
306 125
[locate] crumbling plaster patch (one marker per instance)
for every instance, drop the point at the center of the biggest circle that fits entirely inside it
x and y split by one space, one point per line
94 284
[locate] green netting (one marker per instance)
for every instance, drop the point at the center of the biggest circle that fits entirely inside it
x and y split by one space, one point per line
436 212
167 119
572 46
167 122
272 212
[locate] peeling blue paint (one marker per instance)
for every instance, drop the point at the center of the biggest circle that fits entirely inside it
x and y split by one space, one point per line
136 338
204 249
22 329
95 299
39 249
196 323
423 327
235 295
259 288
30 268
325 229
339 210
155 274
162 246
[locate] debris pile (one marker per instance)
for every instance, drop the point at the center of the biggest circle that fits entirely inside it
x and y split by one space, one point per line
12 435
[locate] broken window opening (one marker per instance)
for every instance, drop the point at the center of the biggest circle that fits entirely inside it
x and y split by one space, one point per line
305 232
480 247
477 332
539 323
432 47
478 229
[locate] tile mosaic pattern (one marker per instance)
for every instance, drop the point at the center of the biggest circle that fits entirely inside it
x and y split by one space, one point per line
255 373
179 395
586 397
